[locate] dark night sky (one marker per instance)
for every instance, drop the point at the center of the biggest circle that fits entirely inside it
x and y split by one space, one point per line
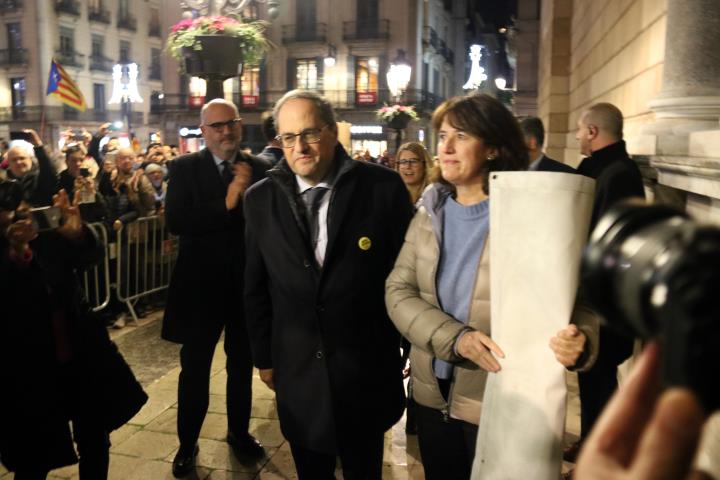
496 12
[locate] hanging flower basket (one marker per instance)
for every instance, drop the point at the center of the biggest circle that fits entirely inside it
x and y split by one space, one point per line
215 45
397 116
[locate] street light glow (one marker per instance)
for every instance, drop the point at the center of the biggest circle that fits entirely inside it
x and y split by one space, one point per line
500 83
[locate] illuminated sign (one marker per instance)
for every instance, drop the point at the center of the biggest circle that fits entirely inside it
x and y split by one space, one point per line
365 129
366 98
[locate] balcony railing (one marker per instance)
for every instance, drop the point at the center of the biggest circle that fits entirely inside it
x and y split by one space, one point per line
154 29
101 63
70 59
99 15
34 113
70 7
340 99
314 32
15 56
9 6
366 30
127 22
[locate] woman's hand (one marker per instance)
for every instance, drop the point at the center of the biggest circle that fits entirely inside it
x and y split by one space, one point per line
568 345
72 222
479 348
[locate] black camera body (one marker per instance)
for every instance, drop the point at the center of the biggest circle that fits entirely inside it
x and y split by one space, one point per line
652 272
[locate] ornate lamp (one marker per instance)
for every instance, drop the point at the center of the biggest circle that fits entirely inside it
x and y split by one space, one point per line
227 7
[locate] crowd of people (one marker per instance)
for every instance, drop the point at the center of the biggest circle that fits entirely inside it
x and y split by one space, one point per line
325 271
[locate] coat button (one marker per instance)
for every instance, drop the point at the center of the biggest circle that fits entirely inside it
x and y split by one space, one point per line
320 308
319 354
306 263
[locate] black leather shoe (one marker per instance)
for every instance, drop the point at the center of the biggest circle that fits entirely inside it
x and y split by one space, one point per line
245 447
184 464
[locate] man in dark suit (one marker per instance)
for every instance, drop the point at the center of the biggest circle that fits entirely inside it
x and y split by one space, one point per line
534 132
617 177
204 208
322 235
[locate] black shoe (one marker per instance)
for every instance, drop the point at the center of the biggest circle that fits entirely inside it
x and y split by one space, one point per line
245 447
184 464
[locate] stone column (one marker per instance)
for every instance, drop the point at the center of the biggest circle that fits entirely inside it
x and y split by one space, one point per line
691 74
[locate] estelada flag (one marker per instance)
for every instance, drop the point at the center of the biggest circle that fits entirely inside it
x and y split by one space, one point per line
62 87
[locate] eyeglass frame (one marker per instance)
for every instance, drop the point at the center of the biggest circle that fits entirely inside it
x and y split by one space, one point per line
411 162
294 136
219 127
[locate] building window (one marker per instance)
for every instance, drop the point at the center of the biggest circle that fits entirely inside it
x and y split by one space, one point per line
250 86
98 46
307 75
366 80
124 51
18 91
14 36
123 9
155 73
99 97
67 41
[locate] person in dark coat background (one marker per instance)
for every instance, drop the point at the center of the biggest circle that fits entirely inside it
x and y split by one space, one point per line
617 177
314 290
57 363
534 133
203 206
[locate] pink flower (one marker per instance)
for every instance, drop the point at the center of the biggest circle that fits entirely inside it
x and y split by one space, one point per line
182 25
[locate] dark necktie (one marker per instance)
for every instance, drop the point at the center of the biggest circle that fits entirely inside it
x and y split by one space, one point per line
227 172
313 200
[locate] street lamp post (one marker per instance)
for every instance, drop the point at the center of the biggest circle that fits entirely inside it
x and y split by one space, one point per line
126 92
398 78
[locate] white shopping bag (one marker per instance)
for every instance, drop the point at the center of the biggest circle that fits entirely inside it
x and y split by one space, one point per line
538 226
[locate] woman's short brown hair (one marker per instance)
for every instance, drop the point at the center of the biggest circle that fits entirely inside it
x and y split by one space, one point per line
484 117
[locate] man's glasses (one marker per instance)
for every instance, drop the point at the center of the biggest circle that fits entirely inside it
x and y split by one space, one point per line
409 162
220 126
309 135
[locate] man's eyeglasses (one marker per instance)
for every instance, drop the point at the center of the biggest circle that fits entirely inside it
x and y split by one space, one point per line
309 135
220 126
409 162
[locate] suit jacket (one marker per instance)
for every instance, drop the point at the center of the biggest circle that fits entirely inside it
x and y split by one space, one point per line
325 331
547 164
206 285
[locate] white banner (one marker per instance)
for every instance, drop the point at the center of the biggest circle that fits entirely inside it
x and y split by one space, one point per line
538 226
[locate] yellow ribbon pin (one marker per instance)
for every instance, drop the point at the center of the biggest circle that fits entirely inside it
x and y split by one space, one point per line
364 243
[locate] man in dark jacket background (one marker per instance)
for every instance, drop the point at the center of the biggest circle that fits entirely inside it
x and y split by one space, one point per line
600 135
204 208
322 235
534 133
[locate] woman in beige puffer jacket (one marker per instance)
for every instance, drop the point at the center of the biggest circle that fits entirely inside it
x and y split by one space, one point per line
446 253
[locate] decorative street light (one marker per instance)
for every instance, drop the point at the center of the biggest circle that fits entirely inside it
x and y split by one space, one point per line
398 75
477 73
125 93
227 7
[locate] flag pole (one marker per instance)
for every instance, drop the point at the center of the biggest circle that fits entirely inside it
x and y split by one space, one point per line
42 121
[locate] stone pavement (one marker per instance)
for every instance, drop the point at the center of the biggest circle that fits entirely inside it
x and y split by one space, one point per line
145 447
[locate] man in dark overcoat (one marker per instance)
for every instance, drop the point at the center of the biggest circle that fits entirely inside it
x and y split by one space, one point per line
204 208
322 234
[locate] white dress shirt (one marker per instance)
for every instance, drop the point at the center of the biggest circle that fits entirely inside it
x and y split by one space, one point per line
322 239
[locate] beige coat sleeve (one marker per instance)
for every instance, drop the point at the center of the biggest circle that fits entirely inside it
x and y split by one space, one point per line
415 313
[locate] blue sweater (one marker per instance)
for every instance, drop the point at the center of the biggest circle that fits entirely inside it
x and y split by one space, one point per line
465 229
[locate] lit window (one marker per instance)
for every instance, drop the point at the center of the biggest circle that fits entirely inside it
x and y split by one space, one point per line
307 74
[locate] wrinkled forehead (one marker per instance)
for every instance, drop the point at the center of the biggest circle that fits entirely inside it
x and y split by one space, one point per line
298 114
18 153
218 112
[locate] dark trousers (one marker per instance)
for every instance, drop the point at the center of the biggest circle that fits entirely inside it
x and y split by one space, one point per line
93 446
360 456
194 383
599 383
447 445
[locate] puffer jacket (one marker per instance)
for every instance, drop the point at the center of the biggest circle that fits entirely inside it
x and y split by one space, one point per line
412 303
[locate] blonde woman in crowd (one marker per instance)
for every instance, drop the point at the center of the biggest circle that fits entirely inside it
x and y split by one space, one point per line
414 165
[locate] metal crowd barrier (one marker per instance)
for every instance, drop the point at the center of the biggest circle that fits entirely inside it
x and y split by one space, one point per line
143 256
146 254
96 281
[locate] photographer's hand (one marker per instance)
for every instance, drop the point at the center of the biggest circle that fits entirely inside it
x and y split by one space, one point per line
34 137
72 221
642 435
